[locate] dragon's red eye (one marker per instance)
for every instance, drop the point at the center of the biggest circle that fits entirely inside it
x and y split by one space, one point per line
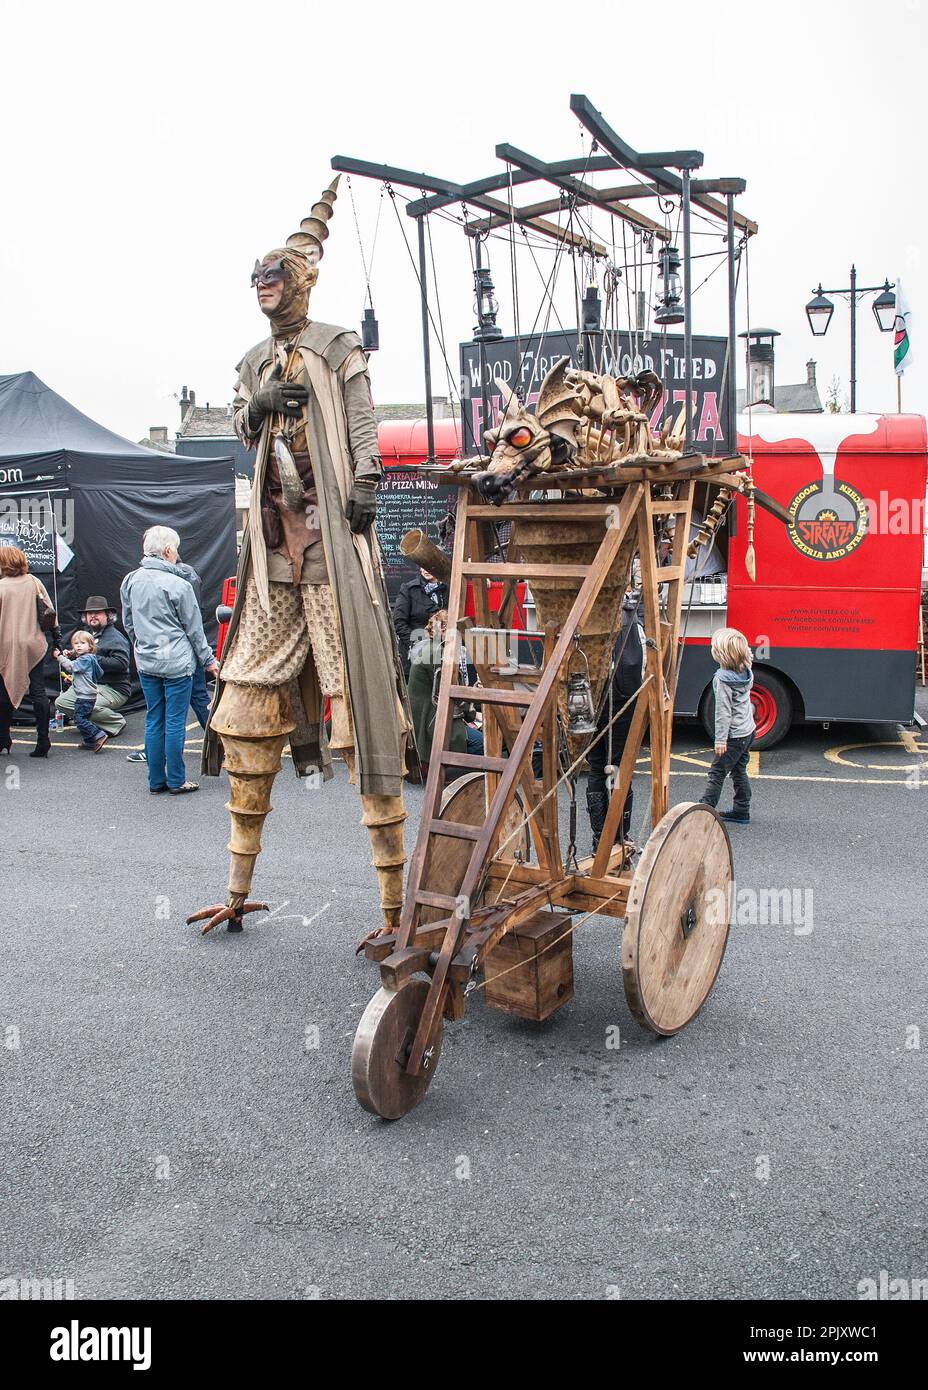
520 437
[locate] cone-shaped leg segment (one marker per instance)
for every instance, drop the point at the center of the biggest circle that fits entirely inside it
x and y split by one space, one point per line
384 817
253 723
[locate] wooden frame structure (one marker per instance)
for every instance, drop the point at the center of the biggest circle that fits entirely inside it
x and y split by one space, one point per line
490 889
488 892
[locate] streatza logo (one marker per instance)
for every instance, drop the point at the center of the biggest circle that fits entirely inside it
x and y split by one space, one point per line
827 520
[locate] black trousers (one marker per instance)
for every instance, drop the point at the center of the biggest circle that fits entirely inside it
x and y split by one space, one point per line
733 763
608 750
40 703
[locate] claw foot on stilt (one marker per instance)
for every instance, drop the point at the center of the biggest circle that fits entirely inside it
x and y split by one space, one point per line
223 912
373 936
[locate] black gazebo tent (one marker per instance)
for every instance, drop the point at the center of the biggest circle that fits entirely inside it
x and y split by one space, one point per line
63 475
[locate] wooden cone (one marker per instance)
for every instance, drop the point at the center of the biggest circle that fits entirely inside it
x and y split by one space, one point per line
384 817
417 547
252 712
252 760
248 806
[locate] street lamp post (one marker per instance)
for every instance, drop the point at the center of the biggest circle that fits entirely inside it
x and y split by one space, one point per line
820 309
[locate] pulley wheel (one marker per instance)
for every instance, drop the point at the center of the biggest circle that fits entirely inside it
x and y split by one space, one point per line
381 1045
676 926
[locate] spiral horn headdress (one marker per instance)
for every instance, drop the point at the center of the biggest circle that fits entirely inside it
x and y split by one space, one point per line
314 228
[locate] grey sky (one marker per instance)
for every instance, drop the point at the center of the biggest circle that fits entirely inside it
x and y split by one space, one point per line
153 152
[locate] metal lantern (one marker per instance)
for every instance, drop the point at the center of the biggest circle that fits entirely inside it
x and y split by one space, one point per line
591 324
581 712
591 318
884 309
486 305
670 310
819 311
370 332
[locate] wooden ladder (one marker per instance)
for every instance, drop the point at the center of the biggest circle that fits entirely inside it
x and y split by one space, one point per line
538 708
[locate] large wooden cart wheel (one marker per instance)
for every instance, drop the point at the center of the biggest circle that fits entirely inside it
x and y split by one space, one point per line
676 926
385 1034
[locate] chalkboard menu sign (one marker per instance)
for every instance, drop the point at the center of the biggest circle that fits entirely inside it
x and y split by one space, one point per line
523 362
26 523
405 502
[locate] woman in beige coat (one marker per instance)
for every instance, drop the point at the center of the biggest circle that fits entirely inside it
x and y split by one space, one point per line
23 647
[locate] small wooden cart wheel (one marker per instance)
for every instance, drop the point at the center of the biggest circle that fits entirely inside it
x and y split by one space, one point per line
676 927
384 1037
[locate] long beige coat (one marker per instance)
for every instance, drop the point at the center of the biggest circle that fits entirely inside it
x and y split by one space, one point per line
342 445
22 641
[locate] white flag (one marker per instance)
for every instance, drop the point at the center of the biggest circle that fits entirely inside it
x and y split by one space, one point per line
902 335
64 553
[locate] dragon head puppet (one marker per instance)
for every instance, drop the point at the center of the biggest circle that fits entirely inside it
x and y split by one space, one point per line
582 419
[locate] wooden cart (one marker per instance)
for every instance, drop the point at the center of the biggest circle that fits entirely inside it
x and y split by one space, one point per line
492 897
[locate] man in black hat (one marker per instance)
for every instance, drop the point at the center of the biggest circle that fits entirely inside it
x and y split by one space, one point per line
113 655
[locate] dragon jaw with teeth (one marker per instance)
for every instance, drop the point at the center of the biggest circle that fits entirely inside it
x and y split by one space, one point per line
581 420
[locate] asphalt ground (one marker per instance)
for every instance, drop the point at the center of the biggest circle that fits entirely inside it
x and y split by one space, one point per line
178 1114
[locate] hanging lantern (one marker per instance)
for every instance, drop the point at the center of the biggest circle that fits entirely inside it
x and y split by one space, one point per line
670 310
486 305
370 332
581 712
591 311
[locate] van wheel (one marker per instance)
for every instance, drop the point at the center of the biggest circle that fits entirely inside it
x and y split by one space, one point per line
773 710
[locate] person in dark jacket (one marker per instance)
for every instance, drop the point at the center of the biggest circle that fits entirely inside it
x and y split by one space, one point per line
418 600
628 656
112 653
425 657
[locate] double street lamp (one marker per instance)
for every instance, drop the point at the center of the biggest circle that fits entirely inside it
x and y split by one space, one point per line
820 309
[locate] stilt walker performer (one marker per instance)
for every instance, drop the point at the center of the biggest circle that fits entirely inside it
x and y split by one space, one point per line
311 615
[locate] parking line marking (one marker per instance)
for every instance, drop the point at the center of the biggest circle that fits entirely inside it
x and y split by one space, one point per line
909 741
806 777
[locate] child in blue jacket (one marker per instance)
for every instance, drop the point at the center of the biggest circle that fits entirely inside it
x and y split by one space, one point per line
85 671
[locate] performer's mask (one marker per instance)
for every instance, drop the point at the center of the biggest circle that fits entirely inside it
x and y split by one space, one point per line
297 275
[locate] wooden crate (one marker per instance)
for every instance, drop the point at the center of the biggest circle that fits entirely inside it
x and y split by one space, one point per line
542 949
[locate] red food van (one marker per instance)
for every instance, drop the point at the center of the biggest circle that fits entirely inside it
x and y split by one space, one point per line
833 613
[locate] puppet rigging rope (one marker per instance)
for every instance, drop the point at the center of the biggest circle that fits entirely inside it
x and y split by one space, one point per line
415 270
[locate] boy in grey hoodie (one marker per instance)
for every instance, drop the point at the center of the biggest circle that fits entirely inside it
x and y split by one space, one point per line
734 723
